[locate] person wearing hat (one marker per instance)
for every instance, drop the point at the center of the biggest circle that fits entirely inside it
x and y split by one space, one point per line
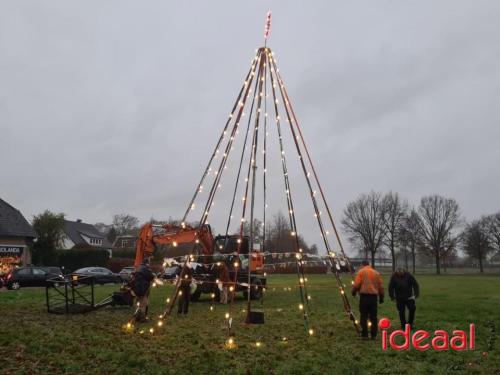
403 288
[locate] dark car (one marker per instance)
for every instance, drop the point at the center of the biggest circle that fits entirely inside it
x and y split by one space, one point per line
31 276
100 275
126 273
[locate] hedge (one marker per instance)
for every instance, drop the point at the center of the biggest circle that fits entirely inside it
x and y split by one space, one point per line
124 253
75 259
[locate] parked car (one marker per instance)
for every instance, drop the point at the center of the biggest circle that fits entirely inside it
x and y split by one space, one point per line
171 273
100 275
31 276
126 273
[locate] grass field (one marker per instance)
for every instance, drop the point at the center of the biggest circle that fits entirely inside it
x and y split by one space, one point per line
35 342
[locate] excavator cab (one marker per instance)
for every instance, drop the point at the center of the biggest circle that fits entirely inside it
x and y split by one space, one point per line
229 245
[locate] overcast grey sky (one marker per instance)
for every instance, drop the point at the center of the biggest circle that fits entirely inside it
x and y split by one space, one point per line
115 106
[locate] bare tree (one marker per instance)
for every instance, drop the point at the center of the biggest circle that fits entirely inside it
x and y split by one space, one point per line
410 229
450 251
125 224
395 212
493 227
437 218
279 238
364 222
257 230
477 241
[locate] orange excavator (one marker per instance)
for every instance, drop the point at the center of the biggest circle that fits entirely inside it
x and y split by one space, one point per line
231 249
169 234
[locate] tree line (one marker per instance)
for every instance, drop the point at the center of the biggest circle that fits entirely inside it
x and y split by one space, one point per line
435 229
374 222
49 227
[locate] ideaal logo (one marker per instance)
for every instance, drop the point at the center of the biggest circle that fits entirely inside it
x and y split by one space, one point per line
421 339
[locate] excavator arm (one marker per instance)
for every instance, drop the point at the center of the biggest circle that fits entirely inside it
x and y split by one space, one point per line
171 235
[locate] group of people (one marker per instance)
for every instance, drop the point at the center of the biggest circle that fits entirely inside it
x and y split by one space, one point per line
403 289
143 277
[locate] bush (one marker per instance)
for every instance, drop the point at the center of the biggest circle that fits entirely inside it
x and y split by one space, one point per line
75 259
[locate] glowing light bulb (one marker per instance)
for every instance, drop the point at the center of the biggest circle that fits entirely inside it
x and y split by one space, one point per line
311 332
160 323
227 316
301 307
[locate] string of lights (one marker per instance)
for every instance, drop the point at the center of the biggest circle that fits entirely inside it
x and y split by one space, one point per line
330 216
199 187
291 213
218 174
251 165
290 120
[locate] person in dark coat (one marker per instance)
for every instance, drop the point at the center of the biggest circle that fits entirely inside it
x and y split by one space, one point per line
224 281
185 289
403 288
141 284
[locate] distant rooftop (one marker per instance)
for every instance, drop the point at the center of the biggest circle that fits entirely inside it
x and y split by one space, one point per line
75 229
13 223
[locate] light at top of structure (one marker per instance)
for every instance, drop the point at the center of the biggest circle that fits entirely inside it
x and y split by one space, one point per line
267 28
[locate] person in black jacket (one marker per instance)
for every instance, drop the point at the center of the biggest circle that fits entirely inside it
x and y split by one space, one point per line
404 289
185 289
141 283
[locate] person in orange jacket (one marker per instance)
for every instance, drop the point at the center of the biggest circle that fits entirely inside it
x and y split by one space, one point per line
368 284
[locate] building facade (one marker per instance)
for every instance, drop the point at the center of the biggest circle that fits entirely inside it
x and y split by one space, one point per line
16 234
